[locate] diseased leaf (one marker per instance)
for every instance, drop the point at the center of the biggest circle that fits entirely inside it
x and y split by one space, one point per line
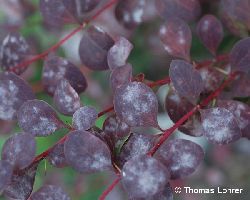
119 52
56 68
220 126
181 157
66 98
176 37
136 104
186 79
6 170
144 176
86 153
56 157
19 150
14 91
84 118
38 118
94 47
14 50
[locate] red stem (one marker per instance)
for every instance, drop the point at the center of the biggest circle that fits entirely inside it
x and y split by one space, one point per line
219 58
62 41
110 188
111 108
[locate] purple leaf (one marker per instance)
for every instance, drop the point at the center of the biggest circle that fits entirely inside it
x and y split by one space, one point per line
56 68
19 150
136 104
84 118
176 37
86 153
240 56
94 47
220 126
14 91
14 50
66 98
210 32
186 79
56 157
144 176
119 52
38 118
181 157
6 170
188 10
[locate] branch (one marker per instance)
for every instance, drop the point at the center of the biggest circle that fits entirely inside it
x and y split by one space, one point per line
110 188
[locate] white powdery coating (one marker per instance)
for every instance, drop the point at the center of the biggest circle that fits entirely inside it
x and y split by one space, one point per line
209 79
220 126
86 153
84 118
144 176
119 52
181 157
8 98
5 174
38 118
50 192
66 98
136 104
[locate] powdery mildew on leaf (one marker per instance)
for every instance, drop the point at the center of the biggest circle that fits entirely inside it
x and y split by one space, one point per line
56 157
186 79
240 55
220 126
176 37
136 104
14 91
5 174
144 176
66 98
187 10
38 118
86 153
19 150
13 51
210 32
94 47
119 52
138 144
241 113
21 184
50 192
120 76
130 13
84 118
181 157
56 68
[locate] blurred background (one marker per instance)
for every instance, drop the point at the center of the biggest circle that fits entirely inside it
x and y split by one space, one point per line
225 166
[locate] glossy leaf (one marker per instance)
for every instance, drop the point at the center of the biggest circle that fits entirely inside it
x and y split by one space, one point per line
188 10
186 79
182 157
66 98
84 118
119 52
144 176
176 37
220 126
120 76
86 153
14 91
38 118
136 104
210 32
240 56
48 192
57 68
94 47
19 150
14 50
